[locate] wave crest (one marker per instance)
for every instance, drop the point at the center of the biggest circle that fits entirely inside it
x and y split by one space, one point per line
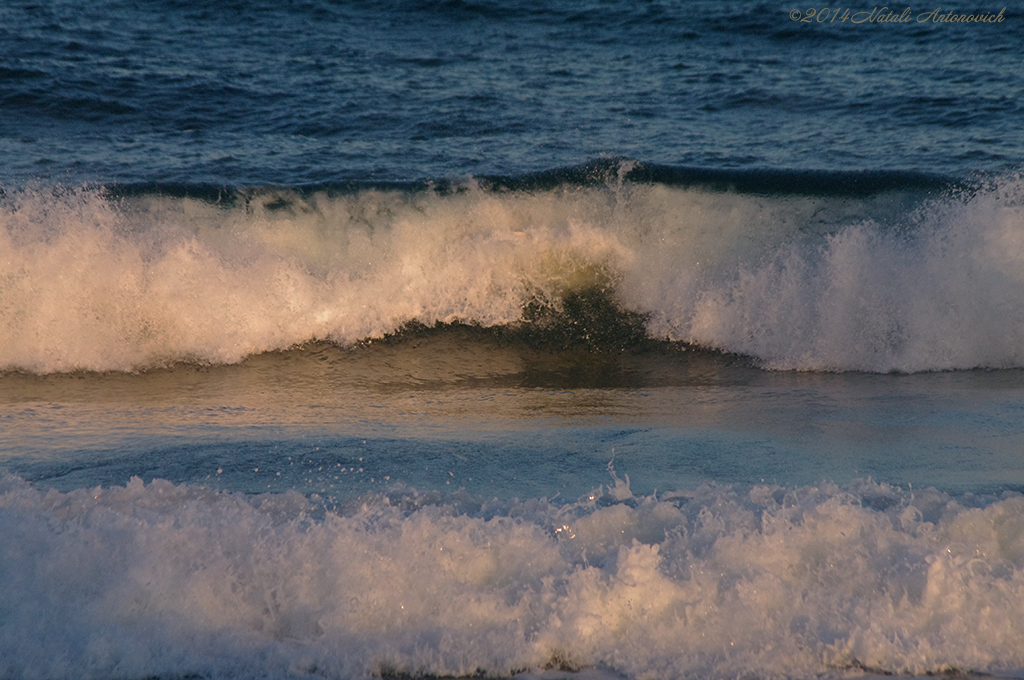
897 280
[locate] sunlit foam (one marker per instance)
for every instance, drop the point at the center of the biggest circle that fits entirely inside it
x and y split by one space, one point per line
167 581
810 283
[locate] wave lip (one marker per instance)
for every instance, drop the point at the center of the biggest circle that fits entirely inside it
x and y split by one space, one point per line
894 272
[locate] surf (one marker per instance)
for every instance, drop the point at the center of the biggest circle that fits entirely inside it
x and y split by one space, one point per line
164 580
882 272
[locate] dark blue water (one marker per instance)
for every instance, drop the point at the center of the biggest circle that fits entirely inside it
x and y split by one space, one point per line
308 92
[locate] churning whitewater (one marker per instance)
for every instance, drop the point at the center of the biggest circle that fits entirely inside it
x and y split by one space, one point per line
162 580
901 279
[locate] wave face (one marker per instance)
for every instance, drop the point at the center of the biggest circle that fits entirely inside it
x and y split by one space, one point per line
807 272
160 580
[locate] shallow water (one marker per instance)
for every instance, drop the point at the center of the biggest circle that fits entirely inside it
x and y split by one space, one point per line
511 421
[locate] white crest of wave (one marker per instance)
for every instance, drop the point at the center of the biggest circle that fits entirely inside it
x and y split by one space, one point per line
90 285
808 283
938 288
169 581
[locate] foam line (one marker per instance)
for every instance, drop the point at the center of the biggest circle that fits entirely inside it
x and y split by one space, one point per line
157 580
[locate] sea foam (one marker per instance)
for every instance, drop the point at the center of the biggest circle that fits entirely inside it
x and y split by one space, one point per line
888 282
158 580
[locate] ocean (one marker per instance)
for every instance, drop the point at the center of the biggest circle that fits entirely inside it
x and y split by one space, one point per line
461 338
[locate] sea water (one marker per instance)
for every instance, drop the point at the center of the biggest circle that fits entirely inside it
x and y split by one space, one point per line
421 339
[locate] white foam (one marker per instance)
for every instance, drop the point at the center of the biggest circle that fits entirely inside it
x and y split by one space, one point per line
943 289
167 581
88 286
805 283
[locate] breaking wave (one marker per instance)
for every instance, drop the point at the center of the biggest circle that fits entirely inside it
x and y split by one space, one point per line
866 272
